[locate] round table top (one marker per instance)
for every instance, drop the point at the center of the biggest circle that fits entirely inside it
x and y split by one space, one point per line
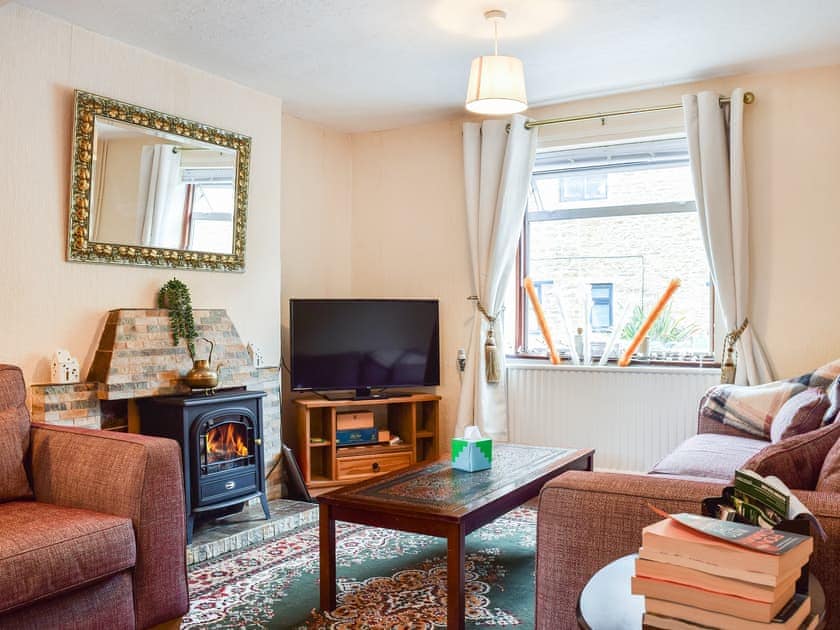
607 604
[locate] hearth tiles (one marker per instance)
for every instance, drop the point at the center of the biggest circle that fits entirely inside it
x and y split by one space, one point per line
248 528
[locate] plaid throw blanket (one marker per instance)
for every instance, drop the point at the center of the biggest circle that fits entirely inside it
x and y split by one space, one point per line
752 409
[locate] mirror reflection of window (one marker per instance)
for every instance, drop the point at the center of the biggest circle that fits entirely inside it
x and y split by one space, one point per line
209 209
157 190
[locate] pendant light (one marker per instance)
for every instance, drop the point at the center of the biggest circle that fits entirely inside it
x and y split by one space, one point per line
497 82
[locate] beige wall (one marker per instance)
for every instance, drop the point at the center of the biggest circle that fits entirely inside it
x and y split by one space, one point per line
50 303
410 231
409 234
316 219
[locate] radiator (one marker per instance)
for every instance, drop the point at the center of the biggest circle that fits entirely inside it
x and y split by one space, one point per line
632 417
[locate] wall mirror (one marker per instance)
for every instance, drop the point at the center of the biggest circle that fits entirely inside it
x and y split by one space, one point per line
154 189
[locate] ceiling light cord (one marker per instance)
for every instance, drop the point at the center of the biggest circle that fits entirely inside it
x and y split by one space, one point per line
496 37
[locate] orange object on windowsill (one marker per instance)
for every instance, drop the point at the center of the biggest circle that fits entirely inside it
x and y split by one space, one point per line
648 323
546 333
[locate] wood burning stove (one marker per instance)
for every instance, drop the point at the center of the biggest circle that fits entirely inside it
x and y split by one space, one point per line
221 442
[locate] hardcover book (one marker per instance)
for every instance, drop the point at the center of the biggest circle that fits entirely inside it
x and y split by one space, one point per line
716 583
708 600
729 544
679 616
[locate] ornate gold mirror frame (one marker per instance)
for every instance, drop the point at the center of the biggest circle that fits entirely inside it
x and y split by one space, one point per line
81 247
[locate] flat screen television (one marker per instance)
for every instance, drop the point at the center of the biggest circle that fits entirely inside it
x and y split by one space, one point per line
364 344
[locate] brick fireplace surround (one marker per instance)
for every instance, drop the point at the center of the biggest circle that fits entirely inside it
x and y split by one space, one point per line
136 359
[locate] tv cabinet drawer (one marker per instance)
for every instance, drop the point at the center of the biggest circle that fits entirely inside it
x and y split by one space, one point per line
367 465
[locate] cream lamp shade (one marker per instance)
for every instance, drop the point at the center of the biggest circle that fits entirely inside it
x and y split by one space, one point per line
497 82
496 86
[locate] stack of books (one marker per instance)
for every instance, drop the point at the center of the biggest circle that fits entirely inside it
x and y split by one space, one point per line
698 572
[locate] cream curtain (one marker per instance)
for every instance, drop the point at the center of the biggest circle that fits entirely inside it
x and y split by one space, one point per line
497 173
716 150
160 198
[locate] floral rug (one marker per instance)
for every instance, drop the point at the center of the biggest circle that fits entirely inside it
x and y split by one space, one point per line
387 579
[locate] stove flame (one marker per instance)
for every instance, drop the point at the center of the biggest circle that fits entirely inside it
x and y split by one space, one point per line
226 441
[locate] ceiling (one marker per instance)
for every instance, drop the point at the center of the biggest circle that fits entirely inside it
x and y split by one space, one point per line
360 65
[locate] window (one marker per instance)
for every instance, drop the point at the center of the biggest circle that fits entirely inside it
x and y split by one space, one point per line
606 229
601 315
583 187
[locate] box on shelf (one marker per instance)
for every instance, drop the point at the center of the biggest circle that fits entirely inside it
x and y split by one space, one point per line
356 436
472 452
347 420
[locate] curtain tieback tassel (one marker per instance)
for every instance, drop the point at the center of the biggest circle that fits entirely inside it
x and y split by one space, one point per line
491 358
492 365
729 360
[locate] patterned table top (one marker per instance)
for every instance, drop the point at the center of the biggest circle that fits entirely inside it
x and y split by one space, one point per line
439 487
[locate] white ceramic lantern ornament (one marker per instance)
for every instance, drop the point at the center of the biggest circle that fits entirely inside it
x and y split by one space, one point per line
64 368
256 355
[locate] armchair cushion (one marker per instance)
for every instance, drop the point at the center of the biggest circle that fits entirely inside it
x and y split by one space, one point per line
797 461
46 549
14 435
710 456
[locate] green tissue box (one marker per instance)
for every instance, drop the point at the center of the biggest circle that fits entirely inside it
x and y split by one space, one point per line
472 455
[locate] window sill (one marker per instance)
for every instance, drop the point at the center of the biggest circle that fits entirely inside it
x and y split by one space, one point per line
521 362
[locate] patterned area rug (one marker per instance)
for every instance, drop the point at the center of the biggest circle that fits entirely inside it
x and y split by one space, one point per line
387 579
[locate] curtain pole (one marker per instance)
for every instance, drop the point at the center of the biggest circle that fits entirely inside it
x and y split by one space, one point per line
749 98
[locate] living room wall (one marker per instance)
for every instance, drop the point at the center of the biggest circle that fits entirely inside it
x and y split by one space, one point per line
317 220
51 303
409 233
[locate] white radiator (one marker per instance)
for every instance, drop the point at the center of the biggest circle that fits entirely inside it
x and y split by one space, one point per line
632 416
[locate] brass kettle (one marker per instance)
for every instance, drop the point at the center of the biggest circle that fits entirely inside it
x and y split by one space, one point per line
201 376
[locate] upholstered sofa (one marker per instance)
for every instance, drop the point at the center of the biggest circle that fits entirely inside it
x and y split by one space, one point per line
91 524
586 519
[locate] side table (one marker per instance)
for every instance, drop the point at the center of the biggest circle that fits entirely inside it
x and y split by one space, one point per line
605 603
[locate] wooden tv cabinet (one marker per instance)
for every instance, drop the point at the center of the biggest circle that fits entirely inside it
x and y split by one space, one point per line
325 465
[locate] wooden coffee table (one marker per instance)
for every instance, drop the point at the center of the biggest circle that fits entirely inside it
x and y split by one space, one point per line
437 500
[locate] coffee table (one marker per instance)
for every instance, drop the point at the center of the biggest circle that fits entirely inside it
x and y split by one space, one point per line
438 500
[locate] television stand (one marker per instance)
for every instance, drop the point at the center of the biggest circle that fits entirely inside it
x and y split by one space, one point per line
415 418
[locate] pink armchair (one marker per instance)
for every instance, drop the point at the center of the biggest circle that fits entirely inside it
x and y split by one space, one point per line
102 543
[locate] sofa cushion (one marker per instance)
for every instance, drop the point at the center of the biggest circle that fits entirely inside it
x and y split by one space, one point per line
802 413
829 479
14 434
833 393
46 549
750 409
797 461
709 456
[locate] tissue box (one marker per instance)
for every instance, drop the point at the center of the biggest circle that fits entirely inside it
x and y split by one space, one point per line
472 455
